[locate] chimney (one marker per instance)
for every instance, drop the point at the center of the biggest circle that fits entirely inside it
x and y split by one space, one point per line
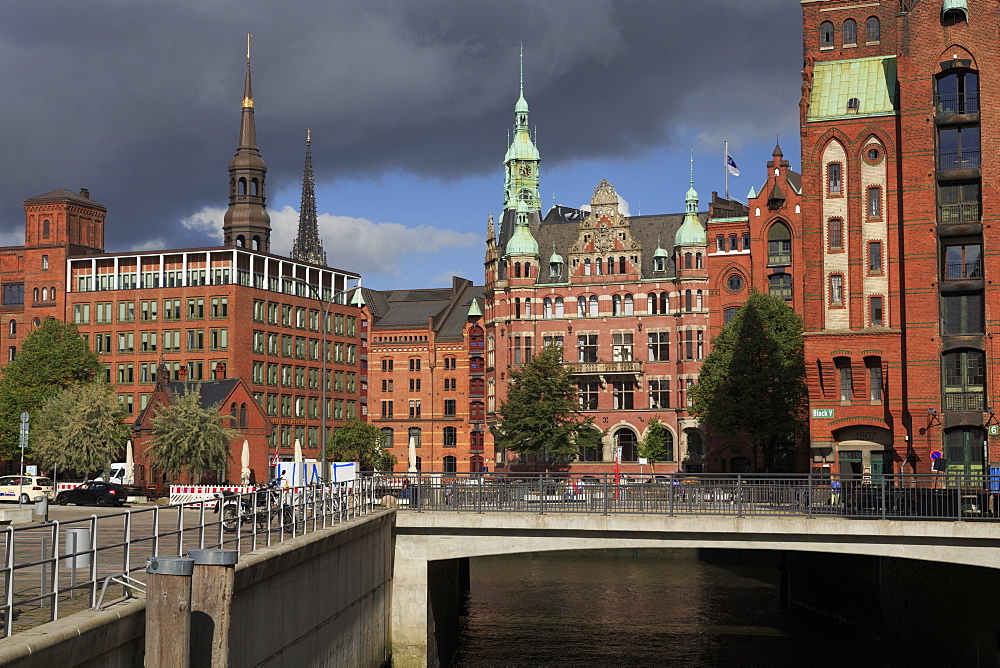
220 371
85 192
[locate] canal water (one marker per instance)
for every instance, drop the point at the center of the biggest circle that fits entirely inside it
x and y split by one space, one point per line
643 608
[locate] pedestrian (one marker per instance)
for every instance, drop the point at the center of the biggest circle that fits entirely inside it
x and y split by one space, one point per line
835 491
405 493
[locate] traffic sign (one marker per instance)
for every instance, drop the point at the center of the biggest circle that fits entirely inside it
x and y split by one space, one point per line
25 417
936 454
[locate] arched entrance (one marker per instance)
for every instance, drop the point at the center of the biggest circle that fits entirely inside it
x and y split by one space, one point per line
864 450
627 440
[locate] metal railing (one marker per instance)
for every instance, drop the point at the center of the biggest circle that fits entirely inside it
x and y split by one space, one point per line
959 212
877 496
57 568
959 159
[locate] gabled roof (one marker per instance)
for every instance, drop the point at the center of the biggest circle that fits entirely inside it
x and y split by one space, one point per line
63 195
447 310
212 392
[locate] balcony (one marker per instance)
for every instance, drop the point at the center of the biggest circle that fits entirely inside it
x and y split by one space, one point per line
961 212
958 159
602 368
964 401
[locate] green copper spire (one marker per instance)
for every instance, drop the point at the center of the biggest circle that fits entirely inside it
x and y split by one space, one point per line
691 232
521 242
521 160
474 310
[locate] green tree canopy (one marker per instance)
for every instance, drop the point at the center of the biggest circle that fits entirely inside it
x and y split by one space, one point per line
53 357
658 445
81 428
189 437
753 381
360 442
541 414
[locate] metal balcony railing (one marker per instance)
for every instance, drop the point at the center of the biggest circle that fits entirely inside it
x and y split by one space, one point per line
605 367
959 159
965 401
961 212
960 270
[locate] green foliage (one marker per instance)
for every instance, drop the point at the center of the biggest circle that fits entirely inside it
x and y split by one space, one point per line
187 437
753 381
542 414
81 428
658 446
360 442
52 358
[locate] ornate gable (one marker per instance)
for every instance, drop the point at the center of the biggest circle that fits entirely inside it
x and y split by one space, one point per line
604 233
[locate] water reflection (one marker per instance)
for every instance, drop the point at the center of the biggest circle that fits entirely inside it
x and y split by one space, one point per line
663 607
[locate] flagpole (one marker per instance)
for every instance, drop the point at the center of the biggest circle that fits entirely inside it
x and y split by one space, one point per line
725 165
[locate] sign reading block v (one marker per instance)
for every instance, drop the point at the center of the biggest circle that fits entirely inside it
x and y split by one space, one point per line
822 412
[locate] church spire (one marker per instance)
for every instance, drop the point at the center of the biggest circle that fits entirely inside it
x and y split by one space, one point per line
521 161
308 247
247 222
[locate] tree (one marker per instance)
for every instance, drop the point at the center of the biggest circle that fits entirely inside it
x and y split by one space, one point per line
190 437
753 381
360 442
52 358
542 414
658 446
82 428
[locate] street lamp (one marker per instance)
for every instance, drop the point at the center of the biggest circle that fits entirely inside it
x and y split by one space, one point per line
327 303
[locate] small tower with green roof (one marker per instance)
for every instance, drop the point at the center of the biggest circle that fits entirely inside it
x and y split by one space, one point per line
521 161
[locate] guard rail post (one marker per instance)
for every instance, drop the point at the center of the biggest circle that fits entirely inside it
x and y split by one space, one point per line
211 606
168 612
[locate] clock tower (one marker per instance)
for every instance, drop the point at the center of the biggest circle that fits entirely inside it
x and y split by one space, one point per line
521 161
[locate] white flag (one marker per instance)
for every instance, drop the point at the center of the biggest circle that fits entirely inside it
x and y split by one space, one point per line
731 165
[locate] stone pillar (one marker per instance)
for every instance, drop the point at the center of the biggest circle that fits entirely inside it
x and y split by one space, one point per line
410 632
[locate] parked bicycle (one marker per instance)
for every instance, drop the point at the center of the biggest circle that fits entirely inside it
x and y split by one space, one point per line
263 507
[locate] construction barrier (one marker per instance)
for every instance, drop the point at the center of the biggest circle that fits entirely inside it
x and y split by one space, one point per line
190 495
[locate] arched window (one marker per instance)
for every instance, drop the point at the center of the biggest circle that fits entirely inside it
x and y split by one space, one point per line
872 29
477 338
34 294
527 270
517 270
611 265
46 229
517 307
547 308
555 269
733 243
694 444
616 305
242 186
629 305
387 437
477 410
12 328
720 243
688 261
527 307
586 267
779 244
254 187
450 464
234 414
651 303
621 264
626 441
414 436
560 311
52 293
476 462
958 93
243 415
697 260
240 241
256 243
688 302
598 266
45 263
850 32
664 302
45 294
825 34
450 436
581 306
698 303
593 306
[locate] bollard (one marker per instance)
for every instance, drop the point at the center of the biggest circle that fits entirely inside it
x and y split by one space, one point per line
211 606
168 612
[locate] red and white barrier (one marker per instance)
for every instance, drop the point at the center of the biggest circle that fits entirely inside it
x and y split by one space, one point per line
190 495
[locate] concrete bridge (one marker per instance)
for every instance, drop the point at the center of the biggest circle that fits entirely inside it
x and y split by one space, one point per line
432 548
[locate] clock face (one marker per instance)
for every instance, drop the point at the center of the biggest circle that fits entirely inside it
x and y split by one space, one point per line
525 170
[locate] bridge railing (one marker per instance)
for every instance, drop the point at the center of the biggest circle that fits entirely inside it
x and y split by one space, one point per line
886 496
57 568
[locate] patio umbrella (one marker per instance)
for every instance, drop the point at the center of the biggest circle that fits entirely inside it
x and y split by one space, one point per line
411 456
129 465
299 467
245 464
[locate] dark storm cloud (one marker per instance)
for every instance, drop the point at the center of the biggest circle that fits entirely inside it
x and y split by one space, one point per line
139 101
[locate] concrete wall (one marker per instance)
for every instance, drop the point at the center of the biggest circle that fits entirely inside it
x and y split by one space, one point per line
319 600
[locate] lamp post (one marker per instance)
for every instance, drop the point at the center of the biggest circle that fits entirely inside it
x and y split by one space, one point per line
323 383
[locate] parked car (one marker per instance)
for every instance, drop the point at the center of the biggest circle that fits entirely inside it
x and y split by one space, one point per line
94 492
24 488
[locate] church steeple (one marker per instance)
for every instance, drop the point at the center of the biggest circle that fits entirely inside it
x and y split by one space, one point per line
521 161
247 222
308 247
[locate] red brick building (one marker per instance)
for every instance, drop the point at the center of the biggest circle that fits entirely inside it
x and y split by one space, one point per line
235 310
426 375
899 204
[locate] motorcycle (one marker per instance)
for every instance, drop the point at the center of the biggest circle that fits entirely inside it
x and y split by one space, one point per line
261 506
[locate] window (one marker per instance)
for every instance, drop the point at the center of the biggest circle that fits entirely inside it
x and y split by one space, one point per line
959 203
962 314
450 408
387 409
587 392
688 301
413 436
843 365
196 309
45 263
746 241
386 365
875 311
623 395
850 32
875 202
780 285
414 364
835 234
836 290
593 306
874 366
963 261
659 393
414 385
450 363
46 229
660 262
81 314
729 313
659 346
621 346
779 245
581 306
449 438
872 27
587 346
958 147
720 243
616 305
414 408
874 257
825 34
560 307
958 93
450 464
13 294
964 380
688 264
734 245
220 307
553 340
833 178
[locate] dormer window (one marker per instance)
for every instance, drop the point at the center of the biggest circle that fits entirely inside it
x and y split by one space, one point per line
659 264
555 269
